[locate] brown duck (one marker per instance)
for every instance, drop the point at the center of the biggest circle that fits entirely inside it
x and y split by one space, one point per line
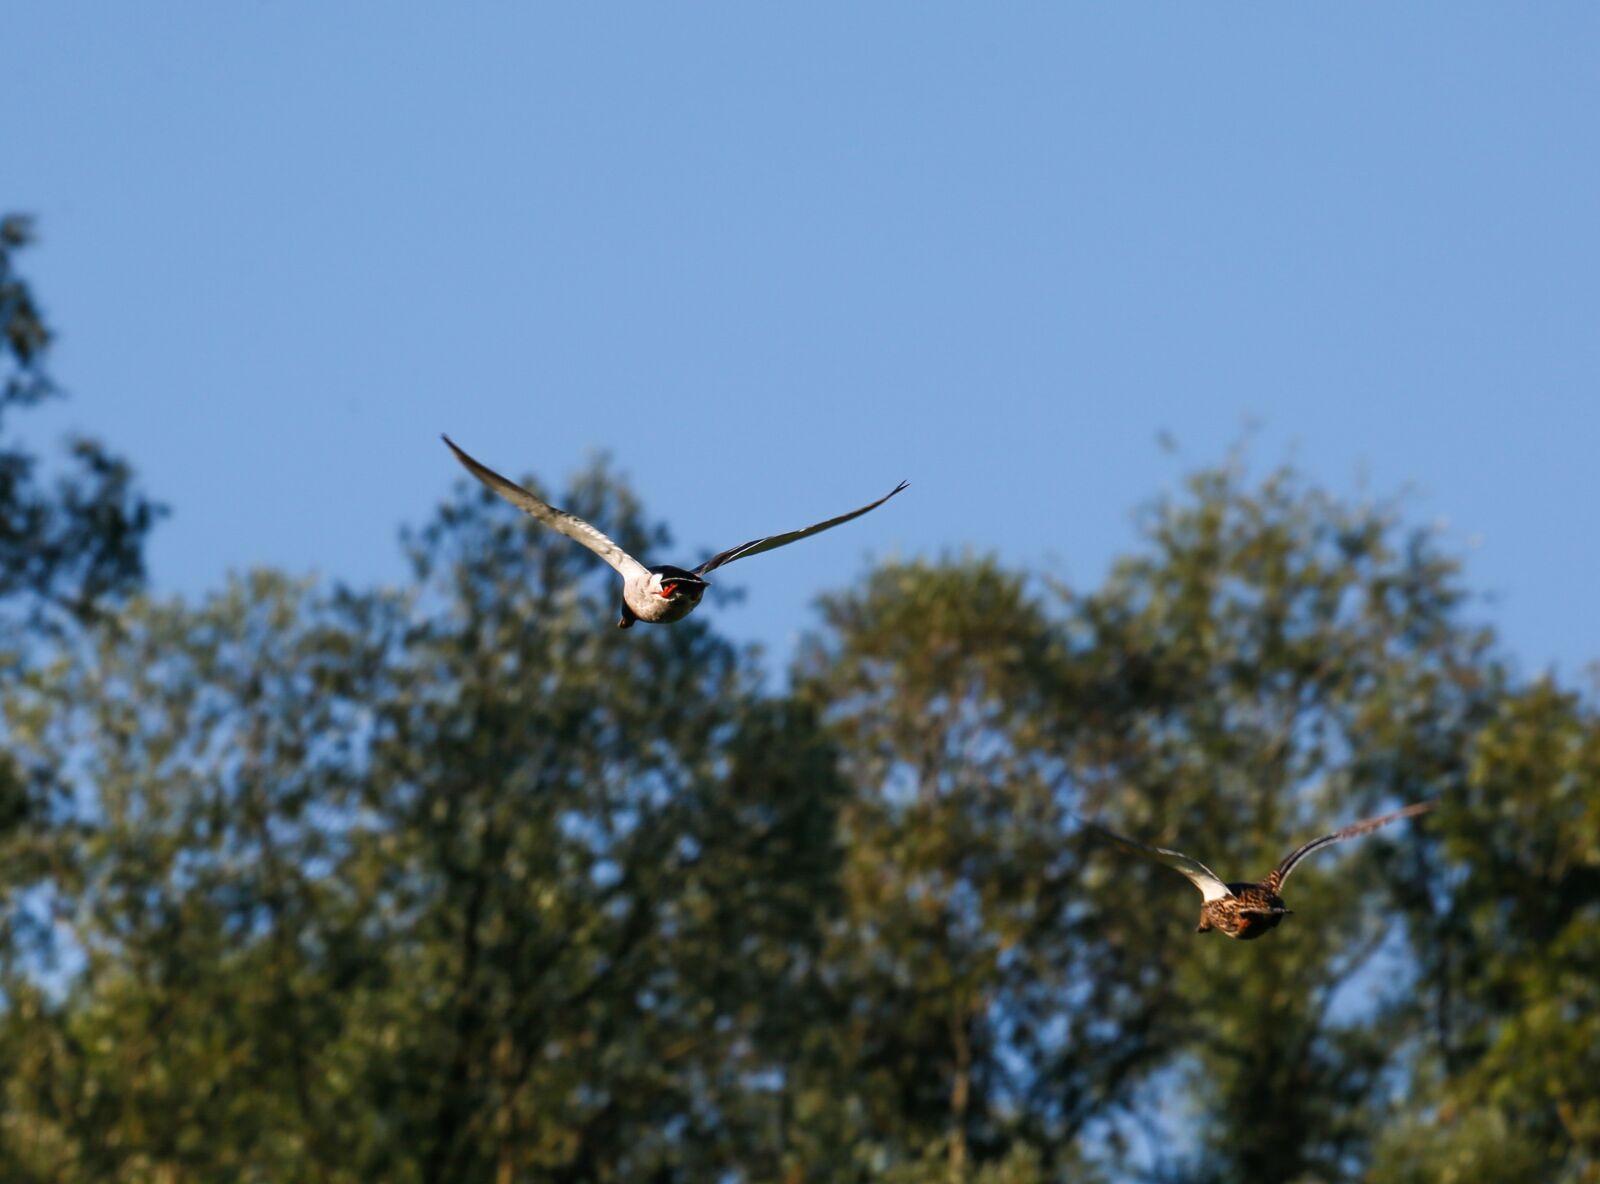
1246 911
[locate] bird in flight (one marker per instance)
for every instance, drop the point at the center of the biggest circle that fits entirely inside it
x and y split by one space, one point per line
656 595
1246 911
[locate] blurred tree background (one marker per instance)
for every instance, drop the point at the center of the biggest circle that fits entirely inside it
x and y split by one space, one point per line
456 882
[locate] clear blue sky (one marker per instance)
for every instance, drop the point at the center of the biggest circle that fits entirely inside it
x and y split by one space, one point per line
774 260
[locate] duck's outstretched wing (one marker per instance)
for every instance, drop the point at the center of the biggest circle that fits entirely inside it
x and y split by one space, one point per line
774 541
1275 881
1210 884
557 519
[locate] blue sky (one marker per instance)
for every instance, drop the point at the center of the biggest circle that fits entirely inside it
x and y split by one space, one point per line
775 259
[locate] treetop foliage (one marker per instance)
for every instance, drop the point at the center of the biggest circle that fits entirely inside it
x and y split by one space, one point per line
63 550
456 882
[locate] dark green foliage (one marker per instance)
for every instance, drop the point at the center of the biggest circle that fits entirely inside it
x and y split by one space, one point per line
988 1012
458 882
1510 955
63 549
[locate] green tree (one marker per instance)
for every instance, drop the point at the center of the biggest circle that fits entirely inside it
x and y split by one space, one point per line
452 884
1508 912
68 551
1278 663
606 854
1275 663
183 885
981 1015
62 549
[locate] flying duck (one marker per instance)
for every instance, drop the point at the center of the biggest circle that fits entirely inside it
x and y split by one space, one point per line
1247 911
656 595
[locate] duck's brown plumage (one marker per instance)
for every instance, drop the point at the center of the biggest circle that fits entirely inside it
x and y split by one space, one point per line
1245 910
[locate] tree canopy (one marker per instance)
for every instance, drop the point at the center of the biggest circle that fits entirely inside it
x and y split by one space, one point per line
452 881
